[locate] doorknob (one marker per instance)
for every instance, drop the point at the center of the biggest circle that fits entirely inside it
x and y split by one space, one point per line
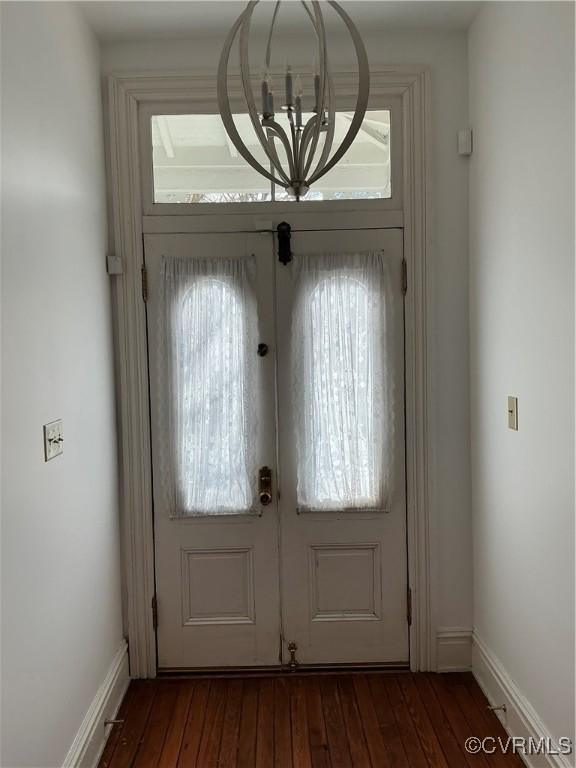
265 485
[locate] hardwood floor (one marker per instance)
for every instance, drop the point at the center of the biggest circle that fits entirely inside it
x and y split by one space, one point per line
376 720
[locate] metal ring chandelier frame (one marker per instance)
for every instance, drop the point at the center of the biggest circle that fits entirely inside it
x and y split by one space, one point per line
302 166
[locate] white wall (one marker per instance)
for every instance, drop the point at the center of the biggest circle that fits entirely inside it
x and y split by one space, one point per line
61 619
445 54
522 343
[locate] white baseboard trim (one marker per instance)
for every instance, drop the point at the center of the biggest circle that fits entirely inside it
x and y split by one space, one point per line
453 649
92 734
520 718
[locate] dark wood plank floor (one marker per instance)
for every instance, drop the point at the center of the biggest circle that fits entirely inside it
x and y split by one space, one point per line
305 721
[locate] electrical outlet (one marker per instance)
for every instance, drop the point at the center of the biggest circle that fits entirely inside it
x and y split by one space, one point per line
53 439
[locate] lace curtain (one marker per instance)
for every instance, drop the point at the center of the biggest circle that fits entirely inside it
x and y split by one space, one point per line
208 334
342 387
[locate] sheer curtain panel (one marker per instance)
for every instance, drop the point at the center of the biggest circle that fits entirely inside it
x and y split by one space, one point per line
342 391
207 383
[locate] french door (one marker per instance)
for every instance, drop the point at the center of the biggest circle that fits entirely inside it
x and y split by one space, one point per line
277 416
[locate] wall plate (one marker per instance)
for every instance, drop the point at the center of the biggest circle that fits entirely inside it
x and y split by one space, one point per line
465 142
53 439
513 413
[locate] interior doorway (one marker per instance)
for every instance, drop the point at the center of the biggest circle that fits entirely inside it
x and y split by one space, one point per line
134 100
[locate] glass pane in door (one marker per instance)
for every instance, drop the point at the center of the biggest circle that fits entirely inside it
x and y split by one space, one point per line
341 398
208 387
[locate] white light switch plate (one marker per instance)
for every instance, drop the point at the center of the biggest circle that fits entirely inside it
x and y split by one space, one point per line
53 439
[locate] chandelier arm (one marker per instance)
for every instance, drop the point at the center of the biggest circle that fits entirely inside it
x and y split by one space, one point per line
247 81
327 95
311 17
317 126
224 103
307 133
313 139
285 181
269 42
313 20
363 93
320 31
329 141
296 175
280 133
299 159
327 92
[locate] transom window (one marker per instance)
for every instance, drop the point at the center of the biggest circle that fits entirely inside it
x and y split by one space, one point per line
194 161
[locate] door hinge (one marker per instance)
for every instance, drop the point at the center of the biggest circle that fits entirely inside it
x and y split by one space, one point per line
144 273
155 612
404 277
409 607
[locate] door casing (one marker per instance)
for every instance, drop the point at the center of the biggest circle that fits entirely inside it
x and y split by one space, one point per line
126 94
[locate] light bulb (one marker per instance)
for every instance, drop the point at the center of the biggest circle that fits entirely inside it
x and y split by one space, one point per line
298 90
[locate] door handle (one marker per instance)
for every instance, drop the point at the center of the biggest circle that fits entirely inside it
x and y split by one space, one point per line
265 485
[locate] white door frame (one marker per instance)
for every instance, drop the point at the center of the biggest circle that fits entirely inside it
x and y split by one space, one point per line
125 94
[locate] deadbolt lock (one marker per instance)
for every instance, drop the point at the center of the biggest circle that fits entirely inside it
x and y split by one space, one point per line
265 485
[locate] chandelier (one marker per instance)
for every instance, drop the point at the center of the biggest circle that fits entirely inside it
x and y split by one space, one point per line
297 156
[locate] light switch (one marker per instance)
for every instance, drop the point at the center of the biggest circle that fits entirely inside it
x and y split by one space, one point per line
53 439
513 413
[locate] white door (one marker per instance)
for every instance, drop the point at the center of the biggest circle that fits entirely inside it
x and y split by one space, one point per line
213 426
323 565
341 448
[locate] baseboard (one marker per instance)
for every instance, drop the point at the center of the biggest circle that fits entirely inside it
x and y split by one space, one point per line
92 734
520 718
453 649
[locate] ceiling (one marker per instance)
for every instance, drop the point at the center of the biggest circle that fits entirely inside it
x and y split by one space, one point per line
151 19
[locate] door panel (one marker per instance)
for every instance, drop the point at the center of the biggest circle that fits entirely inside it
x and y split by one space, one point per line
216 574
344 573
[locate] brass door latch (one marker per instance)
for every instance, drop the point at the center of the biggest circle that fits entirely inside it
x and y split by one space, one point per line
293 663
265 486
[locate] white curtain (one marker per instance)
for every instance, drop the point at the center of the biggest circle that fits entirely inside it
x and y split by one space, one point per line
207 383
342 393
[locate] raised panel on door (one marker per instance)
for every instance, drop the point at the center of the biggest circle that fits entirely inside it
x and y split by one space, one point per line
217 576
344 572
